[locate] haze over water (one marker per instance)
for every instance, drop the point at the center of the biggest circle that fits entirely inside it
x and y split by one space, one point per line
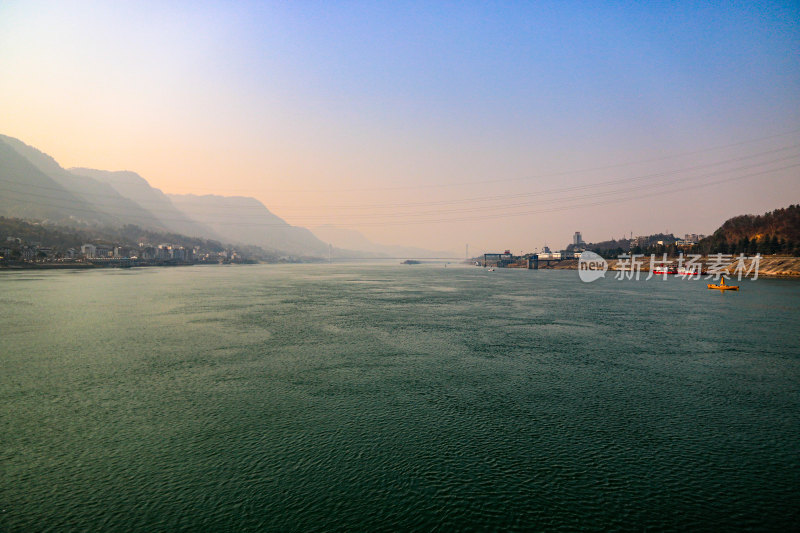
363 397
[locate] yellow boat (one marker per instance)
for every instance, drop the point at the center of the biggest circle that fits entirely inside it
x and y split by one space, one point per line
722 286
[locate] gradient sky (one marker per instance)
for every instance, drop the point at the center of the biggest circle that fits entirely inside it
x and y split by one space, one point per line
501 125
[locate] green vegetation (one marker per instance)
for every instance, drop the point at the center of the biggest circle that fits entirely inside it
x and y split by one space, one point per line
17 234
775 232
64 237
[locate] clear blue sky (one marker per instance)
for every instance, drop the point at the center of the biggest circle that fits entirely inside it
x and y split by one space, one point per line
424 123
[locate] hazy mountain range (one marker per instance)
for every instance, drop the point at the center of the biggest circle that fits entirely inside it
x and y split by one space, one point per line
34 186
241 219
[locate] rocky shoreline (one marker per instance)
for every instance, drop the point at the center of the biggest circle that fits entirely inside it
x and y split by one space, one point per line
769 266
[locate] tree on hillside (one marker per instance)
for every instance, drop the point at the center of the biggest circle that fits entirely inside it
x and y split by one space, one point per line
774 232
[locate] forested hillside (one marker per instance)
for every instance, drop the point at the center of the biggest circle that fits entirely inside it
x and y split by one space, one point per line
774 232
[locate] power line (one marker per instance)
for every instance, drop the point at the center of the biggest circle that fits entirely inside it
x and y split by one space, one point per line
593 204
553 191
537 176
559 189
505 214
577 189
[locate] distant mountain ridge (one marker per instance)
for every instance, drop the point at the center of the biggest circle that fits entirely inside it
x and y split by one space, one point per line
97 202
29 192
246 220
34 186
131 185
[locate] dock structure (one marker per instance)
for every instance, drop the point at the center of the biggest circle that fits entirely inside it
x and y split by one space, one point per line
499 260
528 261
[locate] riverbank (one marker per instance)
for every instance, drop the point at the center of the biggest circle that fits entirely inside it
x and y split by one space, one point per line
46 266
87 265
769 266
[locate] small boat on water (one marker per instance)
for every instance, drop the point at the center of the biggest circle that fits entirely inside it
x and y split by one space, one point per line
722 286
490 269
696 271
664 270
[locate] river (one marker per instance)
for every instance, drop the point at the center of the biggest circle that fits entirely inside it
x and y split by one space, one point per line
395 397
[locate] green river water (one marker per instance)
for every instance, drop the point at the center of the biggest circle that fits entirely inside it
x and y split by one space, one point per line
393 398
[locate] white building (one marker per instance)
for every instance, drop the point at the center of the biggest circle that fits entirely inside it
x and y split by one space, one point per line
89 250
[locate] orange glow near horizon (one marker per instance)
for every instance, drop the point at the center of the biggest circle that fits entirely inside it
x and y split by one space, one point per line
485 133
